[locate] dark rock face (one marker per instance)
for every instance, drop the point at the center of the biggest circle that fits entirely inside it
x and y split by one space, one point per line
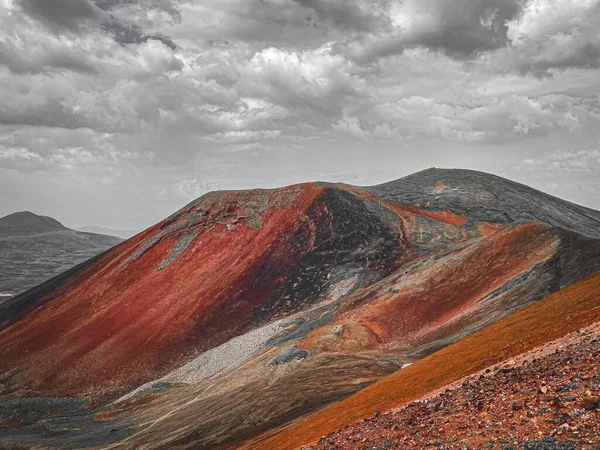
349 237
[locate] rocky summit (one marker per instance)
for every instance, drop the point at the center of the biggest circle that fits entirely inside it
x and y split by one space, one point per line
239 316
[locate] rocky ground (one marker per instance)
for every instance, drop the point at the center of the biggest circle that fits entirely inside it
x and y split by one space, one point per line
546 399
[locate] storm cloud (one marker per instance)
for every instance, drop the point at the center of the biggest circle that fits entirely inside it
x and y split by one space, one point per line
63 14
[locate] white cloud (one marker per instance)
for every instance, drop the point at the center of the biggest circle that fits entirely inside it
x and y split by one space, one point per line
317 78
553 36
352 127
17 153
191 188
587 160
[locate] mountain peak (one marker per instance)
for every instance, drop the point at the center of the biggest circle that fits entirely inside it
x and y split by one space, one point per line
486 197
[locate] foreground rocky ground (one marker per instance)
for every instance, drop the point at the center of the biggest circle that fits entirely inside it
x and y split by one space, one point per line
546 399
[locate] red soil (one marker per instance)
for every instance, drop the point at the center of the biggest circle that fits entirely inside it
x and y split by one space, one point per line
439 187
441 216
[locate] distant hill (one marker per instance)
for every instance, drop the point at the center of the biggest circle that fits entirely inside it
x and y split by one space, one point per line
26 222
124 234
34 248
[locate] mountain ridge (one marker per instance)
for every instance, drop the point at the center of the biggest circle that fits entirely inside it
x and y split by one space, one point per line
333 284
476 199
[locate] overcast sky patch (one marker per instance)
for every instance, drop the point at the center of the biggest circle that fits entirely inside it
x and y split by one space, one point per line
144 105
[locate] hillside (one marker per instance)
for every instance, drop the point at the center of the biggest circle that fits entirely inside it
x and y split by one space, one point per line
566 311
36 248
26 222
249 309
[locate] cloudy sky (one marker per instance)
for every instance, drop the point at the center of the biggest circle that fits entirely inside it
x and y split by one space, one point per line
117 112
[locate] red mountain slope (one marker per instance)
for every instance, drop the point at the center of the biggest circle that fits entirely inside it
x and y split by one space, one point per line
186 285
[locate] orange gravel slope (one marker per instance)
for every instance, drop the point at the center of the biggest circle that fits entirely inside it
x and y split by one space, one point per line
565 311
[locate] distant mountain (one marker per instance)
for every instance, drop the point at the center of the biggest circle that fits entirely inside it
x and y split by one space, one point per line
35 248
125 234
25 222
246 310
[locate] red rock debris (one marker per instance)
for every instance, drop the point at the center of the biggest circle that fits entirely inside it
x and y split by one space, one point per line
548 398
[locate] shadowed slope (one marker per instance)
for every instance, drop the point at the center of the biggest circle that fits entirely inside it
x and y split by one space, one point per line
568 310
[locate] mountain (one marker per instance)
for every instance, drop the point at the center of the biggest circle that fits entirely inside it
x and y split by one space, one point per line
36 248
123 234
246 310
489 198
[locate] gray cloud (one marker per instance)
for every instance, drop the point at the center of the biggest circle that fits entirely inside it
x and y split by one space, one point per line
587 160
63 14
584 55
127 33
459 28
19 62
558 42
169 7
72 15
353 14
